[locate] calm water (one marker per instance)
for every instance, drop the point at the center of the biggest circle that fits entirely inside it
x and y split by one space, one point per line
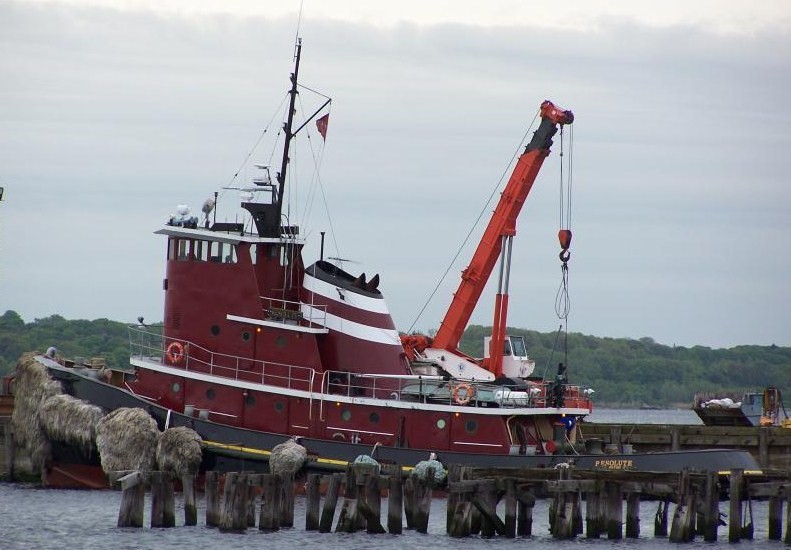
31 517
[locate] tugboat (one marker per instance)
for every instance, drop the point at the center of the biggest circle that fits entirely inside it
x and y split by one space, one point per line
257 348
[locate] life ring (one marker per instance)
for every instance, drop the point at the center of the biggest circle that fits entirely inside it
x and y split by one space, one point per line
175 352
463 398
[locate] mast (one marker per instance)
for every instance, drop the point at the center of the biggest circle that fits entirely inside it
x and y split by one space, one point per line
281 176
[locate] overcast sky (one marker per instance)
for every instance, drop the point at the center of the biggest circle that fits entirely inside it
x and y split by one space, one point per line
113 112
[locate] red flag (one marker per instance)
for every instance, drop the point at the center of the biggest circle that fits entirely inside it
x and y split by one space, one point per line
321 124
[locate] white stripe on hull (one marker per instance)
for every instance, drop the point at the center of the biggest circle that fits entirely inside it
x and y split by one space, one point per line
353 299
351 328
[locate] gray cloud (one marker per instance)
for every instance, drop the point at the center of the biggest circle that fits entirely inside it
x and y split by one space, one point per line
681 208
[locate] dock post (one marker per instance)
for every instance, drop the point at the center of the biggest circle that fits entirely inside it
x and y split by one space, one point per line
711 507
486 494
423 501
212 498
763 446
775 516
395 502
615 437
234 510
633 515
660 519
133 500
454 475
524 512
253 486
675 438
330 503
269 517
593 516
347 521
735 510
510 508
409 501
163 512
286 495
190 501
614 510
313 502
9 449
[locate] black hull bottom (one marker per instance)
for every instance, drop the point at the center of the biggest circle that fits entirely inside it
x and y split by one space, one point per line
235 449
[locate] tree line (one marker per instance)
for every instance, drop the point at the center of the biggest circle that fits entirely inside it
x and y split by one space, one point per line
622 371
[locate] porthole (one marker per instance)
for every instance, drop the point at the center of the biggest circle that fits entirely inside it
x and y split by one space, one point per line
279 406
215 330
210 393
249 400
280 341
441 423
246 336
471 426
176 387
374 418
346 415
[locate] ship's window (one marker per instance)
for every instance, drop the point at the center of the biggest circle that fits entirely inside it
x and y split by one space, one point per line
210 393
441 423
471 426
246 336
253 253
176 387
249 400
200 250
518 345
279 406
229 256
215 330
280 341
285 255
346 415
183 250
374 418
172 244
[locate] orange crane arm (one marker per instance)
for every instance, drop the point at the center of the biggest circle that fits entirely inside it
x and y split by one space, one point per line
502 223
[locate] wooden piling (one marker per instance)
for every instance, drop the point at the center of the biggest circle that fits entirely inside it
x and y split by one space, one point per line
409 501
594 526
675 438
234 510
269 517
485 500
633 515
423 495
711 507
253 487
190 501
212 490
371 506
330 503
775 517
763 446
313 502
787 497
510 508
133 497
395 503
660 519
10 450
163 511
454 475
735 509
286 499
525 501
347 521
614 510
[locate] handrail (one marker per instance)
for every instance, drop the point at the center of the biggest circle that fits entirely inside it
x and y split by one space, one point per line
413 388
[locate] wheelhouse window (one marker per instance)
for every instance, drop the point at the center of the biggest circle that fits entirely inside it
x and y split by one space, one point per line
222 253
518 346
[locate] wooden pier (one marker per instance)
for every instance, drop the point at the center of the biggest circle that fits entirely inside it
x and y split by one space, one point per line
480 502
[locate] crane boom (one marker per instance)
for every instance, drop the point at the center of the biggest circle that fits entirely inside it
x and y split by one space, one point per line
502 224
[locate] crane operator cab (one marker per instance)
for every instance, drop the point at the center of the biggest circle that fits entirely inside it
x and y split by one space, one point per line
516 363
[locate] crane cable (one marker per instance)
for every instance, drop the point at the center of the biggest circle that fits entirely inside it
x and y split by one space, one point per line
562 300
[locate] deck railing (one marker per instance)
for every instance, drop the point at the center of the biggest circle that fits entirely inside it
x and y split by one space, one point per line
151 345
